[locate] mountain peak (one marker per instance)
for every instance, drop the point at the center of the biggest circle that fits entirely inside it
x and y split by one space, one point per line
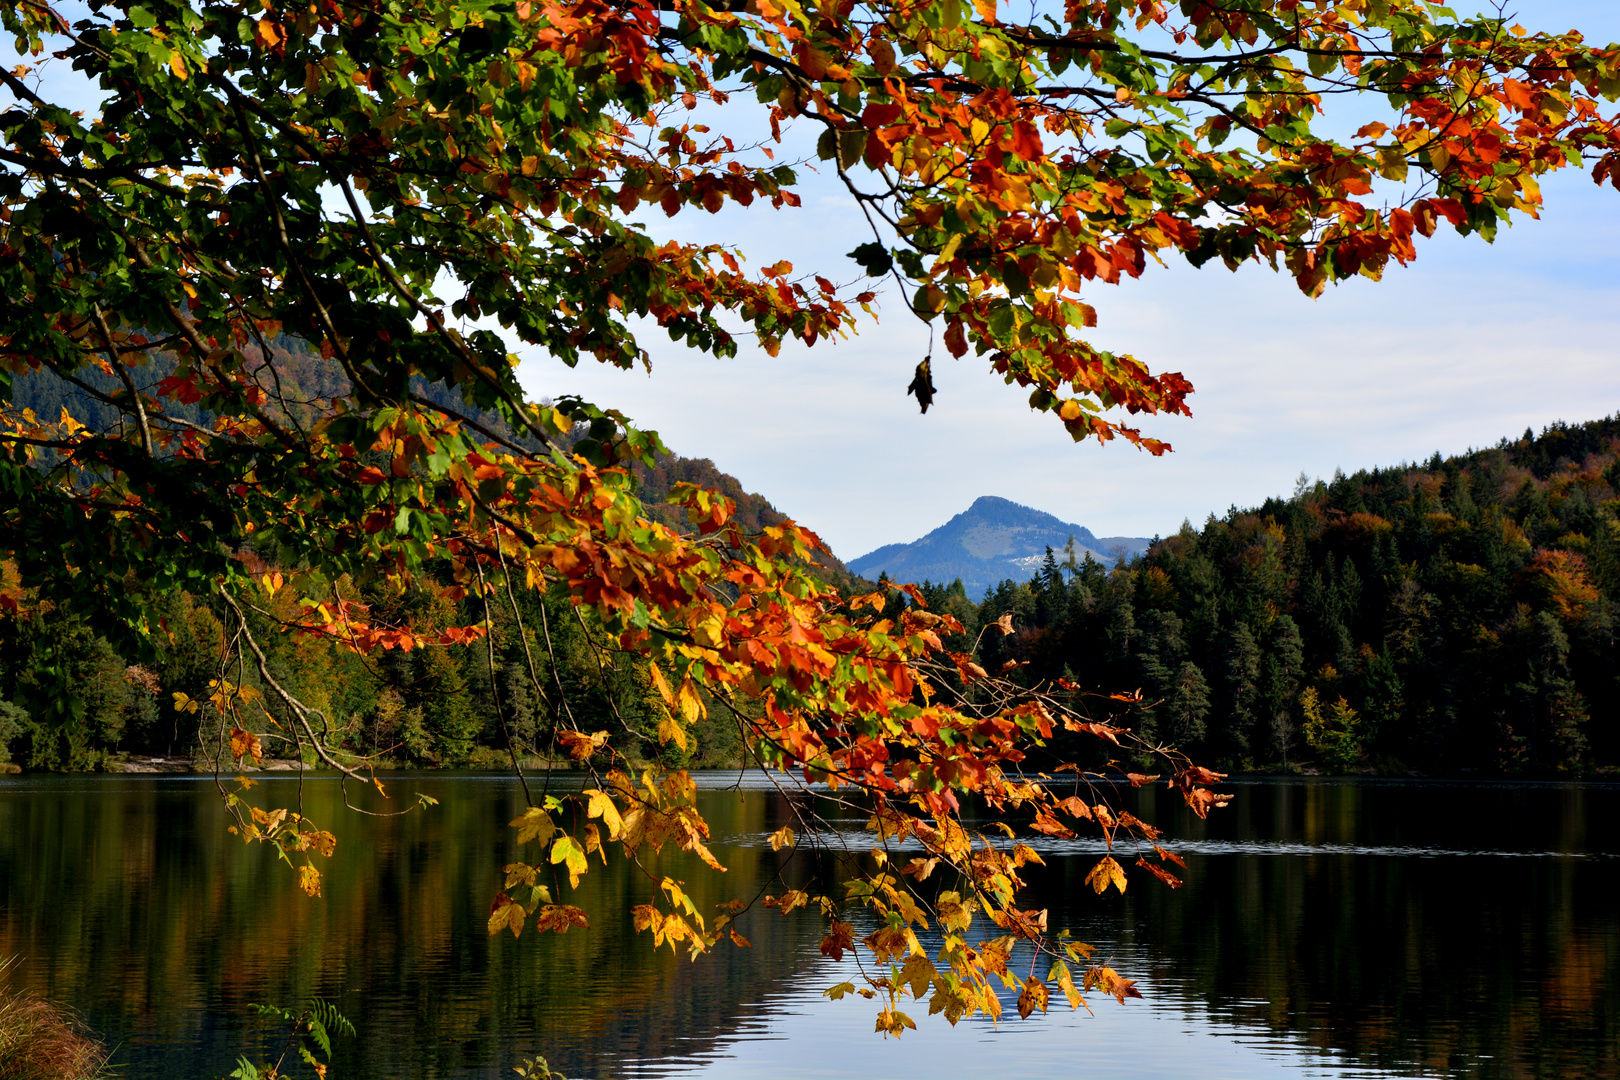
993 539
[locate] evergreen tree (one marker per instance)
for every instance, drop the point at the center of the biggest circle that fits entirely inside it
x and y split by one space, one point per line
1188 705
1244 721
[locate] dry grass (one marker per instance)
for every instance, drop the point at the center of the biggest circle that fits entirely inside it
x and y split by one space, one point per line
42 1041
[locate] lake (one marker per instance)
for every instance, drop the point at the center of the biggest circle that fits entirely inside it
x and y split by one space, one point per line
1327 929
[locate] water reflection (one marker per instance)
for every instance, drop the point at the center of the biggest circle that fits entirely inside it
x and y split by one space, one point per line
1326 929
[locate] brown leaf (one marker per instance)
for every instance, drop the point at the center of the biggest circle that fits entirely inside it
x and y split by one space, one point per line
1032 997
840 939
1160 872
245 743
559 917
1170 856
1004 624
1074 806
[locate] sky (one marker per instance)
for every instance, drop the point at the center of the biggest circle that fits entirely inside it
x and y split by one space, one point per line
1470 344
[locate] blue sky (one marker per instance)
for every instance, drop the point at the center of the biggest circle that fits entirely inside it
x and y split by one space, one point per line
1471 343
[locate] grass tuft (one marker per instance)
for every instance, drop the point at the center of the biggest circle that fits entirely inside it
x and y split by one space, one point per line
43 1041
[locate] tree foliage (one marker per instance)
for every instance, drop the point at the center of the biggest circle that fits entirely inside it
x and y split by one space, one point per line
324 172
1456 615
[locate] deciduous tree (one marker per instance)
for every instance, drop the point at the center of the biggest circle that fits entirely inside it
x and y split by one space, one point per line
367 176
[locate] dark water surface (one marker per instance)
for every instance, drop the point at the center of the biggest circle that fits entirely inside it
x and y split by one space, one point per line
1327 929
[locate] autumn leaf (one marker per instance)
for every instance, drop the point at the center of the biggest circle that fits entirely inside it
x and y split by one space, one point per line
891 1022
558 918
788 901
670 730
1031 997
245 743
581 746
782 838
660 684
1106 873
1160 872
918 974
1110 981
534 824
1061 975
309 879
839 939
505 914
567 852
601 805
1170 856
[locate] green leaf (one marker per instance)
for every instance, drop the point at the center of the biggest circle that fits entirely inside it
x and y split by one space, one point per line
874 258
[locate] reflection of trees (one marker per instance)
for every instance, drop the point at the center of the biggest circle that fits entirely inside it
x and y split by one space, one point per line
132 904
1483 964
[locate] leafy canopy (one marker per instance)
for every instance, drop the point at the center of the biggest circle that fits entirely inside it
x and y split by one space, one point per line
365 176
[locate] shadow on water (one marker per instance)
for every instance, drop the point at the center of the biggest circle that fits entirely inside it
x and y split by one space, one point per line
1326 929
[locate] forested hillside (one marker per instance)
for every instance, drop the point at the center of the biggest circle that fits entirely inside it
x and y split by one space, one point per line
70 699
1447 617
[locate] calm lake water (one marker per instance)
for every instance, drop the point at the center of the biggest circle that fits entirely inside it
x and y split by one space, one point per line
1327 929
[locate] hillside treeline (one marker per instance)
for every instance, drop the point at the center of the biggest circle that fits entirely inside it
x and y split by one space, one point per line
1455 616
72 700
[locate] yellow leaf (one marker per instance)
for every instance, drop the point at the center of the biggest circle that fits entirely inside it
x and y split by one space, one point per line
601 805
504 914
1060 974
1106 873
837 992
691 705
516 872
1023 853
567 851
669 729
534 824
918 973
309 879
893 1023
270 821
660 683
782 838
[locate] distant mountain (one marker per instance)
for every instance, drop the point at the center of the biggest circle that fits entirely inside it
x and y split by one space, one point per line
994 539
